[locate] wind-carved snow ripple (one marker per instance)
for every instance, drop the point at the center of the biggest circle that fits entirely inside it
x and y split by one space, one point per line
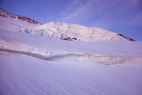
67 56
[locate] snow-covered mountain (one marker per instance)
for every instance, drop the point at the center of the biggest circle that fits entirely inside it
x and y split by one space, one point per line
64 31
9 21
34 61
6 14
68 31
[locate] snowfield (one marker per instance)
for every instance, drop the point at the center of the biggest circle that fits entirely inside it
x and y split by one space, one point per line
25 75
35 65
66 59
58 50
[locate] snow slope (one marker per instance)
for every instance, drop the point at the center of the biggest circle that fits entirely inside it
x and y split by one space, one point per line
24 75
36 62
59 50
64 31
9 21
68 31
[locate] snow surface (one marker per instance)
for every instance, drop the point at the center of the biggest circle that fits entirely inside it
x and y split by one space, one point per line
35 63
56 30
13 24
24 72
64 30
107 52
24 75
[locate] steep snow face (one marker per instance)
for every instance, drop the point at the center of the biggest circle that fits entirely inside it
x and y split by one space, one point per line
67 31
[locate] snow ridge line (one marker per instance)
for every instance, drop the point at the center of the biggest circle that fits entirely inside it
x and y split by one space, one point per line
76 57
68 55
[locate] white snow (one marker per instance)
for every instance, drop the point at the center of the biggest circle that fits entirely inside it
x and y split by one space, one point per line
24 75
59 50
37 63
59 30
14 24
77 31
11 22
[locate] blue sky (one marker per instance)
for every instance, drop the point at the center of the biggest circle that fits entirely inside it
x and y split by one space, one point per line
120 16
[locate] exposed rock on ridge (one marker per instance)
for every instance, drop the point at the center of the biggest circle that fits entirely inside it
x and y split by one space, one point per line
6 14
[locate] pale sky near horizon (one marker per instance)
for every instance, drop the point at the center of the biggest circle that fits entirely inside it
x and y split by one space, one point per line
120 16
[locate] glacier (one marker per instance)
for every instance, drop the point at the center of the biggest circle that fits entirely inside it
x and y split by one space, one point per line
66 59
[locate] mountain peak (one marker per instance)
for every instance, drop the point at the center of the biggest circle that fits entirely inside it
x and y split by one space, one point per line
59 30
68 31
